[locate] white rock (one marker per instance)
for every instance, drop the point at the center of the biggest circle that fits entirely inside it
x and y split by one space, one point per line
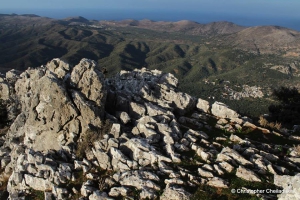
205 173
203 105
226 166
118 191
290 185
37 183
218 182
247 174
175 193
221 110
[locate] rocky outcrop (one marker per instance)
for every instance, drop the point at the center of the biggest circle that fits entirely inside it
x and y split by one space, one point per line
153 87
155 140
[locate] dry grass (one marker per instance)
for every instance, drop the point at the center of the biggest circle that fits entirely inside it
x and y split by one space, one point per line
263 122
272 125
297 149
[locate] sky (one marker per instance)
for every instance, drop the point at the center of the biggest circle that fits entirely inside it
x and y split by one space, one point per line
243 12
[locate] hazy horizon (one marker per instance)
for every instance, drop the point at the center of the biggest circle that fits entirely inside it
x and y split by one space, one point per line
160 15
246 13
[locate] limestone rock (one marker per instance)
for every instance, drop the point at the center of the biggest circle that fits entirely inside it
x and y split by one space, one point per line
290 185
90 113
226 166
37 183
136 110
205 173
89 81
133 178
102 158
218 182
247 174
228 153
59 67
203 105
221 110
4 91
118 191
46 106
98 195
124 117
175 193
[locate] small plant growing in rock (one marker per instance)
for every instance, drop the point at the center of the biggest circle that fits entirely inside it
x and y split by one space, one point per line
272 125
263 122
297 149
277 126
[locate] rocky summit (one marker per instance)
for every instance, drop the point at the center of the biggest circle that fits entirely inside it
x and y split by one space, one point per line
74 134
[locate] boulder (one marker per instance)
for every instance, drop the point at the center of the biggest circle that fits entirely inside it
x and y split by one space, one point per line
134 179
102 158
4 91
89 81
218 182
203 105
175 193
37 183
205 173
118 191
136 110
124 117
247 174
59 67
46 106
221 110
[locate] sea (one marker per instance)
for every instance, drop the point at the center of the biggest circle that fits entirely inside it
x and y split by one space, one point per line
162 15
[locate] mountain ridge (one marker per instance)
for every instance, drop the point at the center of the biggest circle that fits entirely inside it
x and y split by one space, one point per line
258 57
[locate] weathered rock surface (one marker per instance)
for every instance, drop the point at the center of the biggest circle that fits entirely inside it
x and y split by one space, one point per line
290 186
221 110
155 139
247 174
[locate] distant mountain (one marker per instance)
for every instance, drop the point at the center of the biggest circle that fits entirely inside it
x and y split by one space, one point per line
77 19
30 15
186 26
202 56
267 39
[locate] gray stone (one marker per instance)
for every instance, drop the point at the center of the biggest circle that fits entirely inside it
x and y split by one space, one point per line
205 173
132 178
124 117
37 183
290 185
102 158
89 81
118 191
59 67
218 182
221 110
247 174
226 166
202 105
175 193
115 130
136 110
